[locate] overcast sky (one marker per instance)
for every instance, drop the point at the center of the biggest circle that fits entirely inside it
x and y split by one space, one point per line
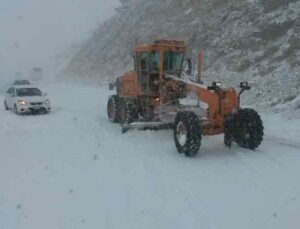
31 31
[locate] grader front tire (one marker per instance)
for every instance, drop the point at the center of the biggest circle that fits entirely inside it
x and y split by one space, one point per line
245 128
187 133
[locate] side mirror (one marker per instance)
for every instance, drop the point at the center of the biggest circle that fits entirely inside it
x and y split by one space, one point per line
245 86
189 63
45 94
111 86
188 66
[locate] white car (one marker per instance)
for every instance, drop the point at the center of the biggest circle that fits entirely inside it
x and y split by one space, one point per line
26 99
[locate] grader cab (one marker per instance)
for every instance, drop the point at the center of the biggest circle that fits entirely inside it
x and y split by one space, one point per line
150 97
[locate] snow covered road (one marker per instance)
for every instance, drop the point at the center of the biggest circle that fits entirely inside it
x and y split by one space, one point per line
74 169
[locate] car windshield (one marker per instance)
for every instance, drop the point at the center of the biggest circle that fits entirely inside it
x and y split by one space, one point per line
29 92
173 62
21 82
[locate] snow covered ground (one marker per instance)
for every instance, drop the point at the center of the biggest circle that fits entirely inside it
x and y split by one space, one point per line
74 169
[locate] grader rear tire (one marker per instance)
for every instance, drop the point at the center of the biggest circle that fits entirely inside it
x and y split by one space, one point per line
187 133
112 109
126 112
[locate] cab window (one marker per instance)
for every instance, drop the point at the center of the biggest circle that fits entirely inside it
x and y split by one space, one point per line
154 61
135 60
144 61
173 61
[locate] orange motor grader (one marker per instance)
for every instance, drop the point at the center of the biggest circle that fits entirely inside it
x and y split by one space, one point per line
154 96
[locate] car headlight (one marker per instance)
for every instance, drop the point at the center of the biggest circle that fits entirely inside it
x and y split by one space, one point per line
22 102
47 101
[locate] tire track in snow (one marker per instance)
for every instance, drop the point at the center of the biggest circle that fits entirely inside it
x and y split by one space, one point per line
282 141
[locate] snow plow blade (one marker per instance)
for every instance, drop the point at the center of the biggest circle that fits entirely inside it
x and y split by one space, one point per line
146 126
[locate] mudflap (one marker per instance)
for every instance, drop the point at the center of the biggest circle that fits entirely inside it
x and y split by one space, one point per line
146 126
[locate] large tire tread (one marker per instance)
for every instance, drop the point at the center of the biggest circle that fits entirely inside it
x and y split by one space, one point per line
245 128
193 126
127 111
113 101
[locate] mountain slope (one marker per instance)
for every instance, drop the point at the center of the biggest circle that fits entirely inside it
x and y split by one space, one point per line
249 40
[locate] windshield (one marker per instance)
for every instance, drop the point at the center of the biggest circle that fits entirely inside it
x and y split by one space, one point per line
21 82
173 61
29 92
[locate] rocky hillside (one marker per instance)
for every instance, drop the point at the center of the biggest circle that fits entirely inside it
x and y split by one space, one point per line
254 40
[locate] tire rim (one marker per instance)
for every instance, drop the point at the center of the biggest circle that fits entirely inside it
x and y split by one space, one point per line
181 133
245 133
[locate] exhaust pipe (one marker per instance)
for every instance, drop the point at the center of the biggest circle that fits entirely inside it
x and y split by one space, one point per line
199 76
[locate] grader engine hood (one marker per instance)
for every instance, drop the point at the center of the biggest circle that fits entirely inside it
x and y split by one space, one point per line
221 101
127 85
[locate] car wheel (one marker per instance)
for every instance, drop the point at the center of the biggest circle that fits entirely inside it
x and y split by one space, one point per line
5 106
45 111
